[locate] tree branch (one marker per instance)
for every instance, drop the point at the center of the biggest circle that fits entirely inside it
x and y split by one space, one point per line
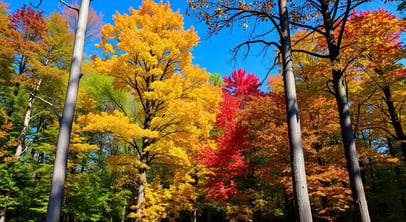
69 6
247 43
36 6
276 61
53 107
311 53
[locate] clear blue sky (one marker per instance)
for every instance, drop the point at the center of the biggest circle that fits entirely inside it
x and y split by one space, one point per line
214 54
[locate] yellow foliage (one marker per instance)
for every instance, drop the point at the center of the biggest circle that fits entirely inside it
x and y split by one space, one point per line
148 53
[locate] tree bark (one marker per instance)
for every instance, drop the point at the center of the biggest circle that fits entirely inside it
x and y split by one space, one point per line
395 119
124 210
141 189
303 207
61 156
351 156
27 118
3 213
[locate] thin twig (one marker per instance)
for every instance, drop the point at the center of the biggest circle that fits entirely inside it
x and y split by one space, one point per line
276 61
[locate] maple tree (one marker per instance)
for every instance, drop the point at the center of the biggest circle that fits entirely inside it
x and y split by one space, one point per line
177 105
226 159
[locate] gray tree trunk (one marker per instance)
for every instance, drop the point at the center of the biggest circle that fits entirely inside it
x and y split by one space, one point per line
27 118
295 136
395 120
141 190
347 133
351 156
3 211
61 157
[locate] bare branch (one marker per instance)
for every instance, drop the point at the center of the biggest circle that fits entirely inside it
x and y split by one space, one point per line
69 6
276 61
53 107
36 6
311 53
316 29
247 43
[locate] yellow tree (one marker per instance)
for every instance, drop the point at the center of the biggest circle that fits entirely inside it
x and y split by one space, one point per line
148 52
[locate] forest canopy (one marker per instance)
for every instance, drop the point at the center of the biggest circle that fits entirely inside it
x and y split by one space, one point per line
156 137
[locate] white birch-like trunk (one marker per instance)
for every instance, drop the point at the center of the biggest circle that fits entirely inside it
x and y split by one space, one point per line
124 210
303 207
3 213
27 118
141 193
61 156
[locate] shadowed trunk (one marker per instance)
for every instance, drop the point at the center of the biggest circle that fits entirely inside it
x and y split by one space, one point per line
295 136
141 189
3 213
351 156
395 119
61 156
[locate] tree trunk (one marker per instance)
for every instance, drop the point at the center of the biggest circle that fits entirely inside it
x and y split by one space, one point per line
141 190
3 213
27 118
351 156
295 136
395 119
61 156
195 183
124 209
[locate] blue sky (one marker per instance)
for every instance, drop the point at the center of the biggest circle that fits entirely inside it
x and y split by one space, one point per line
213 53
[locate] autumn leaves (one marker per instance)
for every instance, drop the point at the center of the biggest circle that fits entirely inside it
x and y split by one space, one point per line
157 137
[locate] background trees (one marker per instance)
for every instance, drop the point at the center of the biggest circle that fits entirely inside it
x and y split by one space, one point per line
195 146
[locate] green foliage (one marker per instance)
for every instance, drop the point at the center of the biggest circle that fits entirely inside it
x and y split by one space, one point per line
216 79
95 191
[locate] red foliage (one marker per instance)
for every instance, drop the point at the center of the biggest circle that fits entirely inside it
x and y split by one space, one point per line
30 23
227 161
241 84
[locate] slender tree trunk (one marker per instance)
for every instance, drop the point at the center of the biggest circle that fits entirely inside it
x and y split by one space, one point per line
27 118
141 190
124 209
351 156
395 119
295 136
3 213
195 183
61 157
